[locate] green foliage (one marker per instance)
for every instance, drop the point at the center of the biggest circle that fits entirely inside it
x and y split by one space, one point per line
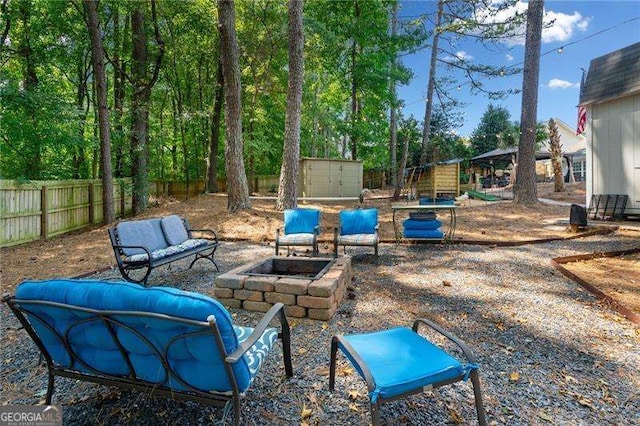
493 126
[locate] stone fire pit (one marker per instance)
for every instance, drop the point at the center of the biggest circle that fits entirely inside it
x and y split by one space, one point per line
309 287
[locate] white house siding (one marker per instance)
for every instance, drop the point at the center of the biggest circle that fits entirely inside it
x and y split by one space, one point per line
613 150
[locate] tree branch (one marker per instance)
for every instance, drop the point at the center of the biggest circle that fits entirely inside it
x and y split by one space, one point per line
160 43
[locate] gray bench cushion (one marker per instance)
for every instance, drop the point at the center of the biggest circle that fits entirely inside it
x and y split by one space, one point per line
174 230
138 233
167 251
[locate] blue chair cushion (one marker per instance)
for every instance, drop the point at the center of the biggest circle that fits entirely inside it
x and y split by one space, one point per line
195 360
358 221
301 221
423 233
297 239
401 360
139 233
174 231
421 224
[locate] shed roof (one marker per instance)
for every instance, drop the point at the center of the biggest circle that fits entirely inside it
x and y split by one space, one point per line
612 76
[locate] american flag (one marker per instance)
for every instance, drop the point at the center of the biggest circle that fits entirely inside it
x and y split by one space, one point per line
582 119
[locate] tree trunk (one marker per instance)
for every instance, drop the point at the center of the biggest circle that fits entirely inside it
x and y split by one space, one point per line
525 191
212 183
83 111
426 130
393 119
237 188
355 105
100 81
142 85
118 93
33 158
403 165
555 150
140 112
288 188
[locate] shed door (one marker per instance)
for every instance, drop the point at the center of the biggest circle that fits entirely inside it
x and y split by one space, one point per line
335 179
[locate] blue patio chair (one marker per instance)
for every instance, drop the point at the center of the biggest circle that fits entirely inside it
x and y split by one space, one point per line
301 228
357 228
400 362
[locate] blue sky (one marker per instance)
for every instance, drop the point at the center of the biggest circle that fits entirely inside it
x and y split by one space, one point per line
559 72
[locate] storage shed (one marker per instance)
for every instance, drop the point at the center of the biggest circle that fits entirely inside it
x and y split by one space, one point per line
437 179
322 177
611 95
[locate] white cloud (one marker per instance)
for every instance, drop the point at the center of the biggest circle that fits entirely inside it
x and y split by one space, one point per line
559 26
463 56
460 55
562 26
509 57
556 83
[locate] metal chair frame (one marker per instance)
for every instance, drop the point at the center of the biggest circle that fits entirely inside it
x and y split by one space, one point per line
339 340
130 381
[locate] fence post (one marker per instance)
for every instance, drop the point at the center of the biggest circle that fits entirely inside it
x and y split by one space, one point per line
92 205
123 204
44 208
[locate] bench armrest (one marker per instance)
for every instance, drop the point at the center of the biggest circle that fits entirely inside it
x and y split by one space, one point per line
465 349
146 250
207 231
277 309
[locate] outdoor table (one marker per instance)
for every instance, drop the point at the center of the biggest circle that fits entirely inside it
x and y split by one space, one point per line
426 207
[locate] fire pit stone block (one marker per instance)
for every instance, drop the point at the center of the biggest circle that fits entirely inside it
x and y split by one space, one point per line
317 298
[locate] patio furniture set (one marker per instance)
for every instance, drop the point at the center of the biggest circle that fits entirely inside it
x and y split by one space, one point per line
185 345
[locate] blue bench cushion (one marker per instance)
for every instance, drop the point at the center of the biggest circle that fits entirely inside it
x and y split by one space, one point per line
401 360
174 231
421 224
358 221
139 233
194 359
168 251
301 221
423 233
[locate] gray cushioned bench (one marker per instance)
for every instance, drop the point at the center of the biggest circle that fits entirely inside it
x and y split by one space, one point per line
141 245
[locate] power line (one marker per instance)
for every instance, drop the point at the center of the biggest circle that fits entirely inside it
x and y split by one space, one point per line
557 49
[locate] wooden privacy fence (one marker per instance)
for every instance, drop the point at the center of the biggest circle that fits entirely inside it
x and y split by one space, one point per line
40 209
182 189
374 178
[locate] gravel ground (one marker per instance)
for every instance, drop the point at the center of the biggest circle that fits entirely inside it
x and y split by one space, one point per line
548 351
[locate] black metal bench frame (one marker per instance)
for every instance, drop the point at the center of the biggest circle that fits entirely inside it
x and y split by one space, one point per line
371 384
126 268
21 308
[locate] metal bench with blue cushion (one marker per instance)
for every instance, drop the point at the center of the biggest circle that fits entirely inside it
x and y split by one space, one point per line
141 245
357 228
160 340
400 362
301 228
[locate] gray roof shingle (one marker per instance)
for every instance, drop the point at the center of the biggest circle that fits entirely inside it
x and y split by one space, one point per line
612 76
